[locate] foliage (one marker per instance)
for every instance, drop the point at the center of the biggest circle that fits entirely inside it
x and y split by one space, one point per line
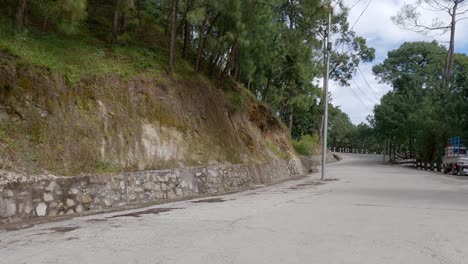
307 145
274 48
72 14
78 57
237 101
422 111
340 128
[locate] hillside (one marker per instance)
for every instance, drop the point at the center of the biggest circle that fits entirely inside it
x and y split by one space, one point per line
68 107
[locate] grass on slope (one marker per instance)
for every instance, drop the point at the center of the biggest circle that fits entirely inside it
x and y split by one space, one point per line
77 57
307 145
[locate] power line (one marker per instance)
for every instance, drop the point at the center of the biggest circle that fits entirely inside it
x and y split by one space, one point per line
374 92
377 98
363 93
362 13
357 97
354 5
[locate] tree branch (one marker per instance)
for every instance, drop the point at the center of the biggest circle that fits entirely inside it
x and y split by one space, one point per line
460 19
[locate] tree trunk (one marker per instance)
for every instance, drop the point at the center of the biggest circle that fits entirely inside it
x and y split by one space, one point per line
173 36
237 70
230 61
201 45
389 150
265 92
115 26
202 41
214 61
411 146
44 24
451 51
138 10
187 29
187 39
20 15
385 150
290 119
291 15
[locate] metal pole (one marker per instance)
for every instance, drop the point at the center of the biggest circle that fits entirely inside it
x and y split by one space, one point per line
325 94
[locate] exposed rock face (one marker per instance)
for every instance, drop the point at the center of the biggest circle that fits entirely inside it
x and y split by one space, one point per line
20 194
109 123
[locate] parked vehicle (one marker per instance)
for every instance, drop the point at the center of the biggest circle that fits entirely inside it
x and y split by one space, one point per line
455 160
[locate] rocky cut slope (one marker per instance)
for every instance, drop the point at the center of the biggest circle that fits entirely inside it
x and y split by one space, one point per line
112 123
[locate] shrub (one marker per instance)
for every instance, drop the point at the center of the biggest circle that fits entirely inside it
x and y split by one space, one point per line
237 101
306 145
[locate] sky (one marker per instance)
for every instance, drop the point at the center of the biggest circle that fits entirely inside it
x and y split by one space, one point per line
376 26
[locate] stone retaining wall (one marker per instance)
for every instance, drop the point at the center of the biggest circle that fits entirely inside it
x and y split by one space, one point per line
23 197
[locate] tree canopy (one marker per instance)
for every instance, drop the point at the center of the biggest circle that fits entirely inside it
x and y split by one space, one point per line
421 112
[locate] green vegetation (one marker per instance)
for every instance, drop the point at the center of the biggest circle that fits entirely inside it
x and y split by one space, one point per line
273 48
341 130
105 167
277 151
269 51
307 145
237 101
81 56
424 109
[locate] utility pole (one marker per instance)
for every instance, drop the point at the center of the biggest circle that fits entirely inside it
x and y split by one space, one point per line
327 51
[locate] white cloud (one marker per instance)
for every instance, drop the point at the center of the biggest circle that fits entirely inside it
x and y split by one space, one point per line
376 26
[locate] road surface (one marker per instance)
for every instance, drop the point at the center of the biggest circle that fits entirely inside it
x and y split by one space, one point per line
372 214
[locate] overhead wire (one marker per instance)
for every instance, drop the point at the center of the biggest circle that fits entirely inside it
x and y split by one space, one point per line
362 13
354 24
354 5
362 92
351 88
357 97
373 92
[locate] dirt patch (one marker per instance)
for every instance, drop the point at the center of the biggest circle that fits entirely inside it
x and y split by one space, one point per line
310 184
96 220
150 211
36 221
306 184
64 229
14 227
72 238
211 200
330 180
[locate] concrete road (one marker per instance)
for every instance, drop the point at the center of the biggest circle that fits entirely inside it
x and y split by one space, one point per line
372 214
